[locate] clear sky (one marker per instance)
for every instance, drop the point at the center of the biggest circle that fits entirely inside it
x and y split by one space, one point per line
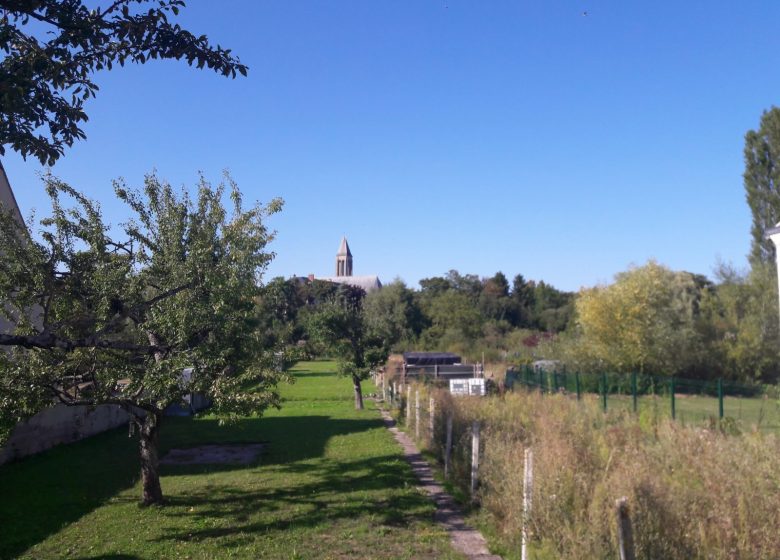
561 139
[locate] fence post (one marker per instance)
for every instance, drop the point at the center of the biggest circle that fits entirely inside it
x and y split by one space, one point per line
448 447
417 413
408 404
633 390
604 390
474 457
625 534
671 395
720 398
528 484
431 416
577 384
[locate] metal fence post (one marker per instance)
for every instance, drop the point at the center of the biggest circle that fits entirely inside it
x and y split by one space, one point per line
577 384
720 398
604 390
671 396
633 390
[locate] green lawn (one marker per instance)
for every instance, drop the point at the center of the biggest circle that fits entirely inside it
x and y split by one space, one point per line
331 484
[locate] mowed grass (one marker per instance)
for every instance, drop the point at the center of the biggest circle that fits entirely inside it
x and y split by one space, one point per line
331 484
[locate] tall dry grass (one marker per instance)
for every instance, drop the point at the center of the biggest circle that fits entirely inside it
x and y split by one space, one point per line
693 493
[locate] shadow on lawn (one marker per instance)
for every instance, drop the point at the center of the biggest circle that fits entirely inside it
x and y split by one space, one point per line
41 494
338 492
44 493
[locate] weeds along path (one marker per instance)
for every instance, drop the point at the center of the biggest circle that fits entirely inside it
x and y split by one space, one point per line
331 484
465 539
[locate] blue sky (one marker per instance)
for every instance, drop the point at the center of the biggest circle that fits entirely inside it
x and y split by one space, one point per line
517 136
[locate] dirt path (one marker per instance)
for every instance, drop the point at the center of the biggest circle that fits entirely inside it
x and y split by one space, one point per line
465 540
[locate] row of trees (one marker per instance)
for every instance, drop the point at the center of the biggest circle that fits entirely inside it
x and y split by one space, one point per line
655 320
463 313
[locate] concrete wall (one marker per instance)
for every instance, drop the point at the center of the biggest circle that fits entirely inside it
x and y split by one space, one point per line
60 424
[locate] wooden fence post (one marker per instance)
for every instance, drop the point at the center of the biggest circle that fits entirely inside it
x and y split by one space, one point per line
417 414
528 487
625 534
431 416
408 403
474 457
448 447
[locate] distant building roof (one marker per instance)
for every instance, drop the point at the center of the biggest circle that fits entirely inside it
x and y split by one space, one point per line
430 358
368 283
344 248
7 198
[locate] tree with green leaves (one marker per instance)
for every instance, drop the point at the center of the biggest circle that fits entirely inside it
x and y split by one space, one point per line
644 321
762 182
52 48
105 318
393 314
341 325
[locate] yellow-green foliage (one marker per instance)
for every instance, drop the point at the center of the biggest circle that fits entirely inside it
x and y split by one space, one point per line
693 493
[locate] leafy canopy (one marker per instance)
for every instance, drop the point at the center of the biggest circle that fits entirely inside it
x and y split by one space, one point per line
103 318
53 47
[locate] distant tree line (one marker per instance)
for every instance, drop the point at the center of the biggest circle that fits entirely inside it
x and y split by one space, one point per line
457 312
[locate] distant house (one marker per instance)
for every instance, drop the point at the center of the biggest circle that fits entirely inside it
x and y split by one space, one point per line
58 423
344 271
8 204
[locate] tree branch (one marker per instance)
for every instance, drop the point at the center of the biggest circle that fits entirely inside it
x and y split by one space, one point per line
49 341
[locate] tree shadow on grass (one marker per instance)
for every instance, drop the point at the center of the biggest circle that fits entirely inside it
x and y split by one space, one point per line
337 490
45 493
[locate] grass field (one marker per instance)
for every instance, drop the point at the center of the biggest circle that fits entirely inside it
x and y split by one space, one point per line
331 484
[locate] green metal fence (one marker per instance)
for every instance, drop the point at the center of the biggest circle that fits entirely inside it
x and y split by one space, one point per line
686 400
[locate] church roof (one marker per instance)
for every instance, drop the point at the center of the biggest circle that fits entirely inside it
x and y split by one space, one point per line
368 283
344 248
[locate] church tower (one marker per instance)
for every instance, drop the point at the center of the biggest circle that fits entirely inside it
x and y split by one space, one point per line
344 259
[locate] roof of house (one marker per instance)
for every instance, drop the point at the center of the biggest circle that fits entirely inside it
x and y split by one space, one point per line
7 198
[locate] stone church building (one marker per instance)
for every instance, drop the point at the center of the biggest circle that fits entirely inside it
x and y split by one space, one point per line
344 271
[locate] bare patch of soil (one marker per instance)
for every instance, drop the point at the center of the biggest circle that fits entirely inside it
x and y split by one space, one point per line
231 454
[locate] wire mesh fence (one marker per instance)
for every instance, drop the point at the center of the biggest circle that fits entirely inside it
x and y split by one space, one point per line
690 401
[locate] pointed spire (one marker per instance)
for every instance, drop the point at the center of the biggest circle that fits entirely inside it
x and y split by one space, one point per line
344 248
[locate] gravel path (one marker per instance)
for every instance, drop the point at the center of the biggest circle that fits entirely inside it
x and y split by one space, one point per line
465 540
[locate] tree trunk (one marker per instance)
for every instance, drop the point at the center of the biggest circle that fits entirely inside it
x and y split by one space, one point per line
358 393
150 466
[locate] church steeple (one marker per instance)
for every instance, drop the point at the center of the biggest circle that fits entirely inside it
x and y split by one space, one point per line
344 259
